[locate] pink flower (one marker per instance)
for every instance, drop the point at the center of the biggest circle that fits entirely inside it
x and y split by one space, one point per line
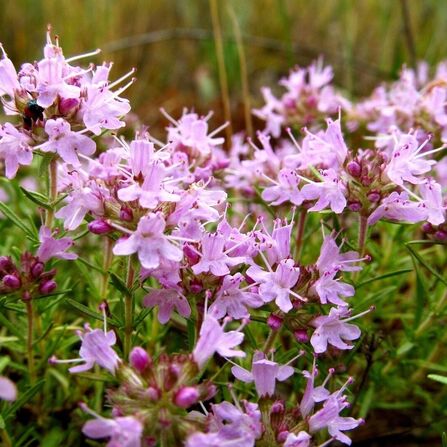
264 373
328 417
213 338
213 257
431 193
8 76
233 301
406 160
96 347
286 189
150 242
332 330
330 289
167 300
66 142
122 431
397 207
331 258
53 248
300 440
14 149
277 285
329 192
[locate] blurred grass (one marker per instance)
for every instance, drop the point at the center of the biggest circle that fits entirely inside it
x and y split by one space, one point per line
171 42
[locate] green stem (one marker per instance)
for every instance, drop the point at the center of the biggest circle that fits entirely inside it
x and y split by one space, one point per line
107 262
30 315
6 439
128 308
52 192
363 231
269 342
300 233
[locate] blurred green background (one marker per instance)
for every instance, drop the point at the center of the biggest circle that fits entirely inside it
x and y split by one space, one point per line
171 44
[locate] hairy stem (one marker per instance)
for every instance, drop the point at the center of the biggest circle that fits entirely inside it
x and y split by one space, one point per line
107 262
269 342
128 308
30 315
52 192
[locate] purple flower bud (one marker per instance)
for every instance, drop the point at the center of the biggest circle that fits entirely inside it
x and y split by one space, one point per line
289 103
26 296
301 336
196 286
191 254
37 269
139 359
126 214
186 396
99 227
153 394
441 235
47 287
67 105
366 181
6 264
355 206
282 436
354 168
374 196
427 227
277 407
274 322
12 282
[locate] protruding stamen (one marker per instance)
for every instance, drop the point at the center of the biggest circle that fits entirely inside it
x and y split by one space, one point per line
83 56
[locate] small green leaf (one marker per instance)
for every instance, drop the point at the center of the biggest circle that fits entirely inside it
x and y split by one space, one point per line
89 312
427 266
438 378
118 283
36 197
12 216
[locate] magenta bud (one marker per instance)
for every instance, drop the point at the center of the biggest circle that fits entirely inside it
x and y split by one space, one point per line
67 105
355 206
126 214
153 394
12 281
37 269
191 254
366 181
441 235
277 407
354 168
282 436
99 227
6 264
47 287
186 396
196 286
301 336
373 196
274 322
26 296
289 103
427 227
117 412
139 359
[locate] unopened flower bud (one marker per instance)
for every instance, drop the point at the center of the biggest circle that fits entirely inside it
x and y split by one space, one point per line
191 254
366 181
274 322
196 286
37 269
301 336
277 407
99 227
47 287
12 282
68 105
186 396
354 168
6 264
373 196
126 214
355 206
153 394
139 359
282 436
26 296
427 227
441 235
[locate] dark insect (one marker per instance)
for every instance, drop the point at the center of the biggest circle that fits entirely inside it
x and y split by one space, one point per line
31 114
